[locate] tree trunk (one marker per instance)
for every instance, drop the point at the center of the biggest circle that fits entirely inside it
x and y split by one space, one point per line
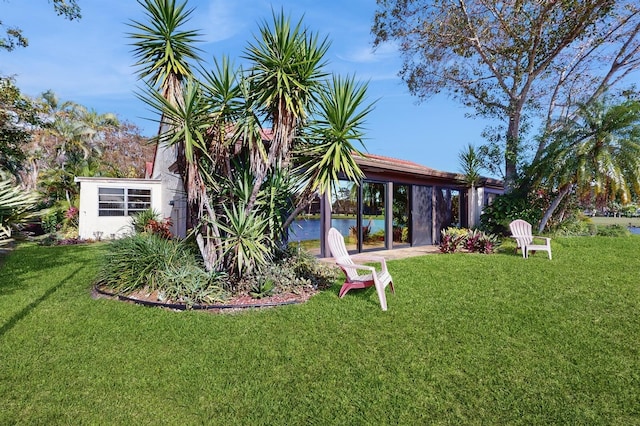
511 150
554 205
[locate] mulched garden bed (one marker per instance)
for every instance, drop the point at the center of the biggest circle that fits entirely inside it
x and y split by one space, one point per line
235 303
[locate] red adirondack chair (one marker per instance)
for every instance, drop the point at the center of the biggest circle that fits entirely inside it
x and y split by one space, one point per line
379 279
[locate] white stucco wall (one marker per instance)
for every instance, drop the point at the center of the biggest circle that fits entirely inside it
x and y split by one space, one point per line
175 205
475 197
110 226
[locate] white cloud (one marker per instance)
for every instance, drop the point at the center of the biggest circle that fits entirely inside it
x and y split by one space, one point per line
370 54
217 20
223 19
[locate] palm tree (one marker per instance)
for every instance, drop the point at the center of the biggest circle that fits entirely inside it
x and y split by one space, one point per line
242 184
164 51
285 77
597 153
72 135
96 124
470 164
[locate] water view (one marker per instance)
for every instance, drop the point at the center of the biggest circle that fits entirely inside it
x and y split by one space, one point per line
309 229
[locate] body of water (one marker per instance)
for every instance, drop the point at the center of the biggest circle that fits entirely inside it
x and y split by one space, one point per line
309 229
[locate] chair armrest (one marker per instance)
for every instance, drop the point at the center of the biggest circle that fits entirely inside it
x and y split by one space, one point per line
519 240
356 266
547 239
374 258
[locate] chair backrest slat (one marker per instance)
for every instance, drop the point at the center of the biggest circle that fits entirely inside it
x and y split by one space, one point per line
339 251
521 231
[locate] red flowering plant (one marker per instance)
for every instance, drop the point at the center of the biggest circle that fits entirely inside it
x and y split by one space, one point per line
71 216
149 221
160 228
454 240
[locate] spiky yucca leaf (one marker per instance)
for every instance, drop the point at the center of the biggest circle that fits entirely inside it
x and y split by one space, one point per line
16 208
246 245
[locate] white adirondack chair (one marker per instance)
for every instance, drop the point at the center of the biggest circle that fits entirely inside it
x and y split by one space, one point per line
380 279
521 231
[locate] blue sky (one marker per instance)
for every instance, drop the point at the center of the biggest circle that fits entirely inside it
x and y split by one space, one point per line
90 62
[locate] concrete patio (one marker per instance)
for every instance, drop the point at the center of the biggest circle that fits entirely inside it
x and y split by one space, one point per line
398 253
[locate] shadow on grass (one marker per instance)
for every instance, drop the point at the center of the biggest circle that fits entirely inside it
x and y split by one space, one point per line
31 306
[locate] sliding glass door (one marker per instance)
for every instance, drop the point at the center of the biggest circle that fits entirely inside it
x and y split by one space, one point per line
401 211
373 215
344 212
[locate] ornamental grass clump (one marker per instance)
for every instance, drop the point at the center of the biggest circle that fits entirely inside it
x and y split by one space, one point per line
143 261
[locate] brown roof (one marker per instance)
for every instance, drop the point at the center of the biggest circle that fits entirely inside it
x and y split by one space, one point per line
382 163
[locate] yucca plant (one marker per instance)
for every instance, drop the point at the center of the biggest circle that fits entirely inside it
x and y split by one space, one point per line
16 208
215 120
245 243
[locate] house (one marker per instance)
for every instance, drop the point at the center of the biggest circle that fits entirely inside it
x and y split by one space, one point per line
399 203
107 204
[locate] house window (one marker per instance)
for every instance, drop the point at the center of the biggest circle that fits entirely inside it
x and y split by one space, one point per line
123 201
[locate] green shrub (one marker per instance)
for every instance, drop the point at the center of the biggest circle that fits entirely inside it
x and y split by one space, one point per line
505 208
61 217
140 260
575 227
149 221
293 272
140 220
613 231
262 289
52 221
306 265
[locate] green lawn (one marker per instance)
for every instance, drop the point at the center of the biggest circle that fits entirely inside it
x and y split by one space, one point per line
468 339
624 221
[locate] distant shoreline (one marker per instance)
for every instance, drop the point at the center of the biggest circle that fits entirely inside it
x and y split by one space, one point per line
624 221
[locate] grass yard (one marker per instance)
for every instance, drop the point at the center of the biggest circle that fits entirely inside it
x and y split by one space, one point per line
623 221
468 339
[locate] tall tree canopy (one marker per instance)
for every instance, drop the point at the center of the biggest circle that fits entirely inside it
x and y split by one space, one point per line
17 114
513 59
14 36
597 155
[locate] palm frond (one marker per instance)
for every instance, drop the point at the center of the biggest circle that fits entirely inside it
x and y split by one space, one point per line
162 48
